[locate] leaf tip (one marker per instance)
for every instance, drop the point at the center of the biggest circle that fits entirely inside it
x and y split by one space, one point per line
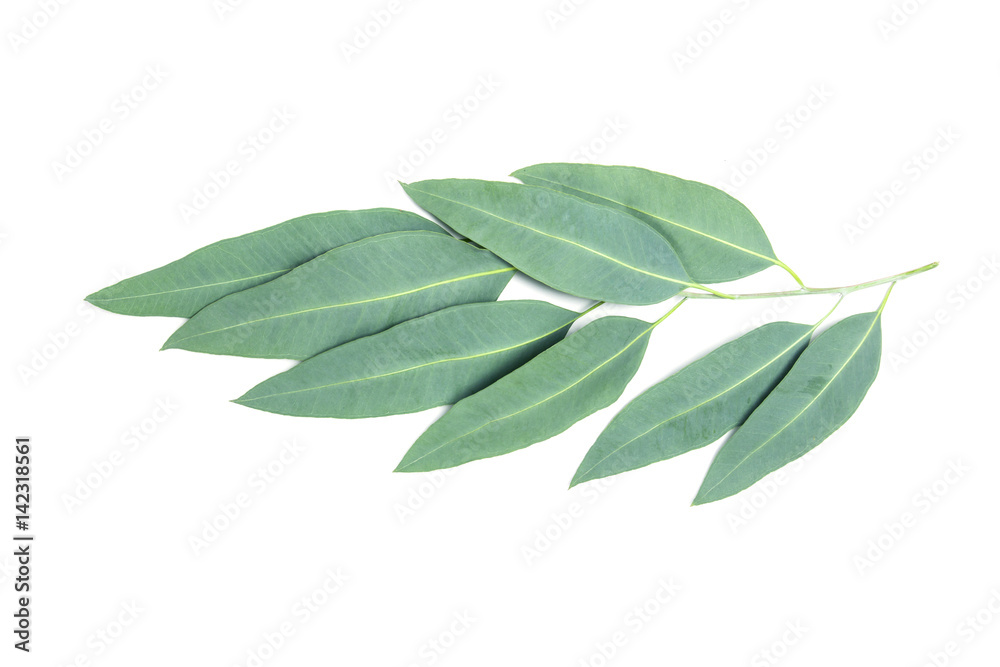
701 499
578 479
95 299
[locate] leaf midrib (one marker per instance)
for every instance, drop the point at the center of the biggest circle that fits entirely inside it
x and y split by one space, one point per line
661 218
559 238
413 368
185 289
808 405
352 303
535 405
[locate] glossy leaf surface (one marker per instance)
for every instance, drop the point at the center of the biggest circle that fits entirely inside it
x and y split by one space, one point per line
716 237
574 378
697 405
426 362
821 391
185 286
352 291
571 245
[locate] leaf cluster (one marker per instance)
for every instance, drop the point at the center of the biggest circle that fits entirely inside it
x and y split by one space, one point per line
389 312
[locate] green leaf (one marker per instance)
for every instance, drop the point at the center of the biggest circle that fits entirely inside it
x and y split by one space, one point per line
351 291
183 287
820 392
697 405
571 380
716 237
423 363
577 247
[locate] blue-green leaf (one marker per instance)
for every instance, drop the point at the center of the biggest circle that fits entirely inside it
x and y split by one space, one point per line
716 237
351 291
697 405
821 391
423 363
572 245
185 286
574 378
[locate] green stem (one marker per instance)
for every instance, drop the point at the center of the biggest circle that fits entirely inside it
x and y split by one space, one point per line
816 290
710 292
885 298
787 268
829 313
669 312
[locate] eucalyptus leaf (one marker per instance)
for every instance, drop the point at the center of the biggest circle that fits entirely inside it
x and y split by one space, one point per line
423 363
818 395
574 378
355 290
572 245
697 405
716 237
185 286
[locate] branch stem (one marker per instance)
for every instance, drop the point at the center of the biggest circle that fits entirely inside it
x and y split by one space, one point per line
804 291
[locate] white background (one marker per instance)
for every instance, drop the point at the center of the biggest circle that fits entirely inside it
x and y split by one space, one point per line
602 75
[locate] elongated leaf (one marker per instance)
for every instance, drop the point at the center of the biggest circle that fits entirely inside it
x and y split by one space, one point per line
423 363
185 286
571 380
821 391
715 236
574 246
698 404
351 291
